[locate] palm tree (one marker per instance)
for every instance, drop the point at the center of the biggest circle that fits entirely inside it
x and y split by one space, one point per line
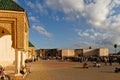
90 47
115 46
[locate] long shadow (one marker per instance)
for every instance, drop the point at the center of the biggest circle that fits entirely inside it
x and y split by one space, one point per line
79 68
107 71
100 71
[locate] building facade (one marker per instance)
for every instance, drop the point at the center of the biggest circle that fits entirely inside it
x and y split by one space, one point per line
92 52
47 53
32 52
14 30
68 53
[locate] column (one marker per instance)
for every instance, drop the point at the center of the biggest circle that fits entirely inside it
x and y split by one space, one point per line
17 61
23 58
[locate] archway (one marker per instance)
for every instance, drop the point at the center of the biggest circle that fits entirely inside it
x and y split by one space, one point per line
7 52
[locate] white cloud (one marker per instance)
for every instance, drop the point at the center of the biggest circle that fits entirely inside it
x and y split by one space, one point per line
97 12
97 38
102 15
33 18
89 33
43 31
41 8
30 4
37 6
67 6
82 45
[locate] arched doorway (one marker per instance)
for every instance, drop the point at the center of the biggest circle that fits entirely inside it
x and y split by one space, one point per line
7 52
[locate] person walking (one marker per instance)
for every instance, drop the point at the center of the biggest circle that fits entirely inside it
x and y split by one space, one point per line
110 61
119 60
105 60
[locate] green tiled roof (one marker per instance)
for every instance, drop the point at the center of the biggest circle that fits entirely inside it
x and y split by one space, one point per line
10 5
30 44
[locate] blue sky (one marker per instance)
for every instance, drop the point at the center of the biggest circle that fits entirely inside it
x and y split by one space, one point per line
73 23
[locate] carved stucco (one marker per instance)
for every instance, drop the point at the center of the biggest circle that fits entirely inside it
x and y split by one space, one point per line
15 24
6 30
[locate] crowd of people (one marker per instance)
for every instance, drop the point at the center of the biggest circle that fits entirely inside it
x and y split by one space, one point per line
97 60
109 60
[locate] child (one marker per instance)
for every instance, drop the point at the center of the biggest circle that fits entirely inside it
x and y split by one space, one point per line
95 64
85 65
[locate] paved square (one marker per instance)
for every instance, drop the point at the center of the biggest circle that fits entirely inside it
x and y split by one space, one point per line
57 70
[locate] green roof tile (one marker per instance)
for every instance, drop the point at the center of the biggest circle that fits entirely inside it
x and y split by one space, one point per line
30 44
10 5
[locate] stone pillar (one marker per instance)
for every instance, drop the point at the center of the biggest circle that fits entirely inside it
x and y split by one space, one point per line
23 58
26 55
17 61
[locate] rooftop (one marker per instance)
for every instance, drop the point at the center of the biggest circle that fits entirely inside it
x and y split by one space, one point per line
10 5
30 44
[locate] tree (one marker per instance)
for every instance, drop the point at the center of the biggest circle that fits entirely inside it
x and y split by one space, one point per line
118 53
90 47
115 46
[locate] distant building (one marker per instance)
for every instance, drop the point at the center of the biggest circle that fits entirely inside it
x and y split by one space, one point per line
67 53
47 53
103 52
40 52
78 52
92 52
31 53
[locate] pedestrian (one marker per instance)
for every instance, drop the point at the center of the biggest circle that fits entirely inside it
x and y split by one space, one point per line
110 61
105 60
119 60
85 65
